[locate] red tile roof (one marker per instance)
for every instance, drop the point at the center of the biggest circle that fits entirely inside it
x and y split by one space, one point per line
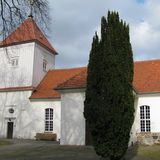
28 31
146 79
77 81
52 79
147 76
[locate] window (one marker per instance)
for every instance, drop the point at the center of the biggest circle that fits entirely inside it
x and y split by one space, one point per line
44 65
145 122
49 119
14 62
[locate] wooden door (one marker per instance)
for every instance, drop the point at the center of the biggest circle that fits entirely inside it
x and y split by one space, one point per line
10 130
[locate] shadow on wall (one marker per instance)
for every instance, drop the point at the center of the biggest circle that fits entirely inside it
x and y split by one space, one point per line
19 101
21 117
73 128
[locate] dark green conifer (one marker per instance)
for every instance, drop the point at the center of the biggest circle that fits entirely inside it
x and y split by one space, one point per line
109 104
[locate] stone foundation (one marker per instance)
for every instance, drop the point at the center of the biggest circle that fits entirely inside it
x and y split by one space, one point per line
148 138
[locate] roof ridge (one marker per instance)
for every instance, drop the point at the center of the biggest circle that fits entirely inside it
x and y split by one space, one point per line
149 60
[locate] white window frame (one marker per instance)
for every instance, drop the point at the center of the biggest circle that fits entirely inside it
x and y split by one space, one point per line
49 119
44 65
145 122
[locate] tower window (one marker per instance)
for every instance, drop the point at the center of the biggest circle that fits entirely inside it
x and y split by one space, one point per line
49 119
14 62
145 122
44 65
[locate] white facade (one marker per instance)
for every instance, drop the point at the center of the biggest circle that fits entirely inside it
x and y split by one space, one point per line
153 101
73 122
22 116
41 54
20 75
29 69
29 116
38 108
72 119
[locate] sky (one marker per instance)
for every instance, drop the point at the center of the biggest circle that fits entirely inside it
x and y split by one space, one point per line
74 23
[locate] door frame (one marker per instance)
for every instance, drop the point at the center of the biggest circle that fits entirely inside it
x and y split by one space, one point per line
9 119
10 127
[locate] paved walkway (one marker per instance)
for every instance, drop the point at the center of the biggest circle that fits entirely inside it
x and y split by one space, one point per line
44 150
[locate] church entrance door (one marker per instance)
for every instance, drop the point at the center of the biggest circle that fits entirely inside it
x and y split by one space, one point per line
10 130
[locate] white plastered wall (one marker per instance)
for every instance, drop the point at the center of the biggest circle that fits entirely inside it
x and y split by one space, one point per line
152 100
21 117
22 74
133 136
29 71
72 119
41 54
39 106
28 116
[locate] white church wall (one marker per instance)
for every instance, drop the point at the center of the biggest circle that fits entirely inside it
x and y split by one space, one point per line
28 117
152 100
38 107
72 119
133 136
40 55
21 75
20 103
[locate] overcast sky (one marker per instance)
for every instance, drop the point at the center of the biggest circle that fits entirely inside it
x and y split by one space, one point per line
74 23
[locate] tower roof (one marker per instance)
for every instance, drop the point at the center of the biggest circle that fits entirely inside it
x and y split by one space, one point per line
27 32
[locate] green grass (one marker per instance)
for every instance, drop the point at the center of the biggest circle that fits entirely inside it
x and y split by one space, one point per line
151 152
4 142
142 152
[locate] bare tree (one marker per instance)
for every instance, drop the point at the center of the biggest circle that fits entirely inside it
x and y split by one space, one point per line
14 12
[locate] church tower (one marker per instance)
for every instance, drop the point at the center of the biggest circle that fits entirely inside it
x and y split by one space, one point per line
26 56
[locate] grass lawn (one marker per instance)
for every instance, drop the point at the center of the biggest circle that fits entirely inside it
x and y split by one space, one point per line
142 152
151 152
4 142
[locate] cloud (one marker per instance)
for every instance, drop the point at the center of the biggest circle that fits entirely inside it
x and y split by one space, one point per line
75 22
145 41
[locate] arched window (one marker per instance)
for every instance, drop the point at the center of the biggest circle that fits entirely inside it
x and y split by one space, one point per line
49 119
145 122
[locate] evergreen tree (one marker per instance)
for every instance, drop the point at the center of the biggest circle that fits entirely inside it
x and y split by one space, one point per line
109 103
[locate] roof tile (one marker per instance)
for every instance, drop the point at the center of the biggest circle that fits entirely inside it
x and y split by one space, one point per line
28 31
52 79
146 79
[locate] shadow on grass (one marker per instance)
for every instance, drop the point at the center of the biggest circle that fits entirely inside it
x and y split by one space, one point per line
132 152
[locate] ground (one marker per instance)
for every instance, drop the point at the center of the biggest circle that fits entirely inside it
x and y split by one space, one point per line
46 150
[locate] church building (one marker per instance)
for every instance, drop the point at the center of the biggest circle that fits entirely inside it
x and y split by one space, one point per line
35 97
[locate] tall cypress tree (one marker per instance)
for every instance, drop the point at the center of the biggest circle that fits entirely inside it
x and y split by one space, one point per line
109 103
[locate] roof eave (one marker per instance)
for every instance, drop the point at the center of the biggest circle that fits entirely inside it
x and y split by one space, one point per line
29 41
70 88
44 98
